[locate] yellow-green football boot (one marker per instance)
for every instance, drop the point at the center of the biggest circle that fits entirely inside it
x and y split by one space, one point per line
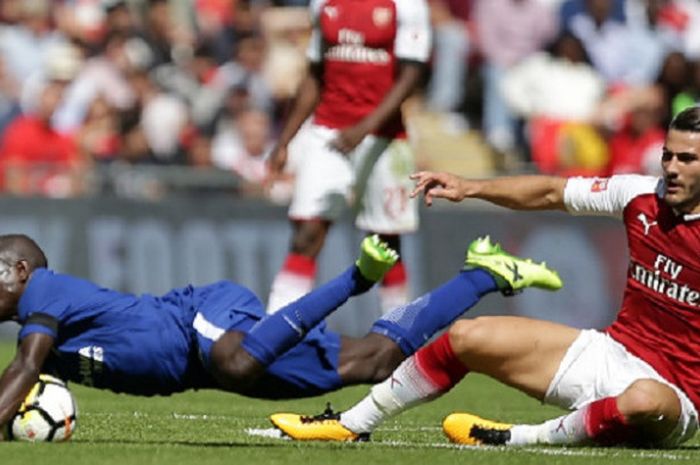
376 258
512 274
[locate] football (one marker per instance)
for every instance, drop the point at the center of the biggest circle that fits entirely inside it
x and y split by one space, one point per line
47 414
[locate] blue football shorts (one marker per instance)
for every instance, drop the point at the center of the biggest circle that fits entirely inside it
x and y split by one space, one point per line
310 368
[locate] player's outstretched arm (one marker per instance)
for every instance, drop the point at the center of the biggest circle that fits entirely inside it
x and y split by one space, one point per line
516 192
304 104
19 377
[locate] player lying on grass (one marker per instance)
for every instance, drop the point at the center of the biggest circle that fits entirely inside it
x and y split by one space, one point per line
637 382
218 336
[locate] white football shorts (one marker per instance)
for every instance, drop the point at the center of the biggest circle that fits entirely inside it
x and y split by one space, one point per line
597 366
372 180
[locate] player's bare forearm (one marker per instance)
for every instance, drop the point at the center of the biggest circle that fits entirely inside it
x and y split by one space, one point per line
409 76
515 192
19 377
304 104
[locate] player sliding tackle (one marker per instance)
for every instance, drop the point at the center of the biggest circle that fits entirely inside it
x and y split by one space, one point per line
637 382
218 336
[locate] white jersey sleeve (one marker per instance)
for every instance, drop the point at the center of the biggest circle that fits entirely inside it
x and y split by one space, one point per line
606 196
413 37
314 49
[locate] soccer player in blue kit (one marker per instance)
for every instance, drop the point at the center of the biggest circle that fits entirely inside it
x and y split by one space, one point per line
218 336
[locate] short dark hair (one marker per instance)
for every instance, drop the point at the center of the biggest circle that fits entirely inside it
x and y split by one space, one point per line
22 247
687 120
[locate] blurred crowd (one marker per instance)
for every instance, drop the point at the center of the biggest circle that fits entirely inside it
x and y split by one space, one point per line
555 86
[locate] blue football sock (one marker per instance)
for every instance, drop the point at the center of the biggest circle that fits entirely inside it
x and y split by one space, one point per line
413 324
277 333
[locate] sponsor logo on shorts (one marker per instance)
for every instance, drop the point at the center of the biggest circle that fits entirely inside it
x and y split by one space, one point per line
600 185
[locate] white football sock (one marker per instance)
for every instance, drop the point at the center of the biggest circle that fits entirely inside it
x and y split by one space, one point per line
286 288
405 388
567 429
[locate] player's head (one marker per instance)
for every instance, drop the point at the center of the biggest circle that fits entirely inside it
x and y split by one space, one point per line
19 256
681 162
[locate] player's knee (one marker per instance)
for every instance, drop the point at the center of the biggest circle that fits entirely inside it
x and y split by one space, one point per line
468 336
233 368
386 360
649 400
308 237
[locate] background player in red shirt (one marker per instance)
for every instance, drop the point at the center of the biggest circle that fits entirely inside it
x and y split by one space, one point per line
636 383
366 56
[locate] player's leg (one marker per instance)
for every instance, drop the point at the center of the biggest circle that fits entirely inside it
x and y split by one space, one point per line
236 361
408 328
382 168
394 289
646 413
321 187
298 273
615 397
520 352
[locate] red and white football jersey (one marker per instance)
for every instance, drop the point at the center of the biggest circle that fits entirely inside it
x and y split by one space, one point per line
660 316
360 43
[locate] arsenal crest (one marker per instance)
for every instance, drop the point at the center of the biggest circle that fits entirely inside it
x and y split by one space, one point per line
381 16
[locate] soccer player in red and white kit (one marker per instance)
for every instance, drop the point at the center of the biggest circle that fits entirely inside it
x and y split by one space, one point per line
637 382
366 57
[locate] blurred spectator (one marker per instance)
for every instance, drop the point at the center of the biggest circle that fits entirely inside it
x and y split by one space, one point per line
508 31
193 80
27 36
636 148
166 37
134 145
571 8
606 38
447 84
672 81
559 83
243 147
34 157
286 32
164 118
244 71
558 93
118 17
691 38
690 95
9 97
199 154
104 75
656 29
98 137
215 24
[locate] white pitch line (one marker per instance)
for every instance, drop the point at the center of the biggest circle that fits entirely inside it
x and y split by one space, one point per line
551 451
554 451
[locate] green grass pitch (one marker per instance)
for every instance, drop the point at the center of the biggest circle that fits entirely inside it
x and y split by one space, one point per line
210 428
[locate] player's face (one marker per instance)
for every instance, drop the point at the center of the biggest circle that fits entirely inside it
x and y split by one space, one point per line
10 285
681 166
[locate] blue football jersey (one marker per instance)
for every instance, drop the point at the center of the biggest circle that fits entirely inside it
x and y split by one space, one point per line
142 345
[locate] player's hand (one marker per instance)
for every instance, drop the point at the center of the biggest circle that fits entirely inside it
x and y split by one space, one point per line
438 185
276 163
349 138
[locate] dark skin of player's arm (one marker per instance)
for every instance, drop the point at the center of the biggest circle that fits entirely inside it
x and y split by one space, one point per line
19 377
304 103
